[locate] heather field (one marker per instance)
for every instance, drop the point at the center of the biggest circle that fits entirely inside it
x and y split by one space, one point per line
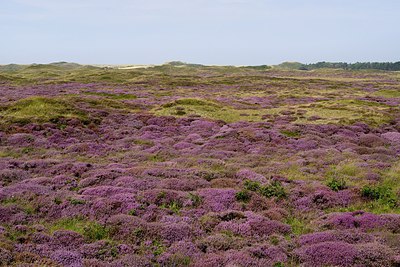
190 165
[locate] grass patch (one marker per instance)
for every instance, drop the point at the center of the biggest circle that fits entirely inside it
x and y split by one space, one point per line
375 206
27 206
292 134
112 96
207 109
90 230
39 109
299 227
345 112
388 93
274 189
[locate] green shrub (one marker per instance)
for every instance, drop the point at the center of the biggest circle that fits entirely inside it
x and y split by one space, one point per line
77 201
275 189
243 196
173 206
381 193
196 199
57 200
94 231
132 212
252 186
337 184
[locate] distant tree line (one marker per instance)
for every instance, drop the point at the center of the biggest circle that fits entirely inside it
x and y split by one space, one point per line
391 66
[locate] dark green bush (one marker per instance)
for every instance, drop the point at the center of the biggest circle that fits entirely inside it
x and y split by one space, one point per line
381 193
196 199
252 186
275 189
243 196
95 231
337 184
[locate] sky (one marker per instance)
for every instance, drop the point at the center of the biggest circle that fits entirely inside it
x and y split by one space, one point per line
217 32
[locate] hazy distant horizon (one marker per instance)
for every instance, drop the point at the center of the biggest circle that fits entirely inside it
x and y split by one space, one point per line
218 32
157 64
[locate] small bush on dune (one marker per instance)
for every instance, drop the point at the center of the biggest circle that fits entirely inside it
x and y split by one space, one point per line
243 196
337 184
275 189
380 193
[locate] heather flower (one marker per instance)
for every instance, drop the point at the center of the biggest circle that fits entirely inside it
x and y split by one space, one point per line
327 253
246 174
127 227
21 139
271 253
131 260
374 254
361 220
102 249
173 232
5 257
67 258
66 238
40 238
242 258
182 252
210 260
220 242
218 199
8 176
348 236
392 137
182 184
105 191
98 263
371 140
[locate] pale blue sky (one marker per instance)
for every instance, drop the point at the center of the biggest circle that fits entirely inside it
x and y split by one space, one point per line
223 32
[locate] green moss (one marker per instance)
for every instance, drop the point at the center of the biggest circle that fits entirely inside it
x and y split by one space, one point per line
113 96
143 142
89 229
156 158
94 231
347 172
173 206
299 226
76 224
196 199
293 134
388 93
207 109
39 109
27 206
375 206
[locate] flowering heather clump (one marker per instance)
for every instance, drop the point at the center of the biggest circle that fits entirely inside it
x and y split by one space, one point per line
218 199
67 258
351 237
327 253
360 220
198 166
5 257
180 253
374 254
